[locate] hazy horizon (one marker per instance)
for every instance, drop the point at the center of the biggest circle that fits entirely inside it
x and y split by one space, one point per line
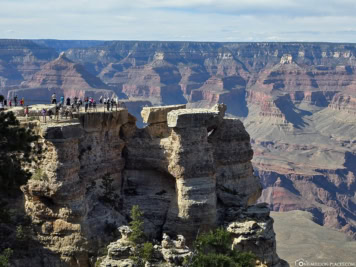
168 20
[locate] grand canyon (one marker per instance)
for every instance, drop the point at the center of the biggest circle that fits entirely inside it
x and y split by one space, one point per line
297 102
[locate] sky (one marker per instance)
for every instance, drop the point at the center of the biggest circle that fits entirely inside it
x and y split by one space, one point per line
180 20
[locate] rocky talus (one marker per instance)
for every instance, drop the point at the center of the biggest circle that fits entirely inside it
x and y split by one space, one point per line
189 170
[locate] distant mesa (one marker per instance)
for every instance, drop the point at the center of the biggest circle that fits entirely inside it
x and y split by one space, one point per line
64 77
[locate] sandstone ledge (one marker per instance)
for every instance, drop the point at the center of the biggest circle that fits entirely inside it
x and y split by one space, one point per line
158 114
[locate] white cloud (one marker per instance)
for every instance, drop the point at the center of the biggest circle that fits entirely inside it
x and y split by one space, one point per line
196 20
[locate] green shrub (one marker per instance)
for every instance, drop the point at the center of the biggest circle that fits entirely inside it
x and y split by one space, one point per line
218 241
23 233
98 262
214 249
39 175
109 196
5 257
147 252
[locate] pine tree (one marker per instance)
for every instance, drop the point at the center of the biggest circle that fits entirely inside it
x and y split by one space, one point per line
136 224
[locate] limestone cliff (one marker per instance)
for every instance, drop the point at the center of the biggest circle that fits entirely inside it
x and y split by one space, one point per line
188 170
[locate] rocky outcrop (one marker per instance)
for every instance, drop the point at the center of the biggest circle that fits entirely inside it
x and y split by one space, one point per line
253 231
168 253
189 170
344 102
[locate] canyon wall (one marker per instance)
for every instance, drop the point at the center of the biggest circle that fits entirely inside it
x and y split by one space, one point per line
189 170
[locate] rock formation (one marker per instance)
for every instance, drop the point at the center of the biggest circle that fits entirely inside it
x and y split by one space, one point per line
297 101
189 170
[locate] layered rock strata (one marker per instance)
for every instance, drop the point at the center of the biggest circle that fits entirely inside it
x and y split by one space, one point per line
189 170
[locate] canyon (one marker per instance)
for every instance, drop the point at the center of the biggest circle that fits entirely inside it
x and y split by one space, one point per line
296 100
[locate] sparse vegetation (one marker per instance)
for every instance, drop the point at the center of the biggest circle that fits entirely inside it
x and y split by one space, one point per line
214 249
39 175
16 149
101 253
106 185
147 252
23 233
5 257
109 196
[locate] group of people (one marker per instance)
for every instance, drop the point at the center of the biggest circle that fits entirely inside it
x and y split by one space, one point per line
12 102
65 107
89 103
109 102
59 110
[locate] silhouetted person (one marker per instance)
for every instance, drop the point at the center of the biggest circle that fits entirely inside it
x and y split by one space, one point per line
68 101
86 104
54 98
57 112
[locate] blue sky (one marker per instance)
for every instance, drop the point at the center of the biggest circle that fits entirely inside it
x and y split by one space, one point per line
185 20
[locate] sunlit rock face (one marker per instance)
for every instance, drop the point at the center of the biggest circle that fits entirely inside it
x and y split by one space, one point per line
189 170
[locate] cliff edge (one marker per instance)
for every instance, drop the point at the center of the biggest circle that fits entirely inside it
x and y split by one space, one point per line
189 170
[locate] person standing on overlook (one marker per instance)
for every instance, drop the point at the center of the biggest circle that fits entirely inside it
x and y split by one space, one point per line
43 112
86 104
68 101
54 98
62 101
15 100
26 112
108 105
56 114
